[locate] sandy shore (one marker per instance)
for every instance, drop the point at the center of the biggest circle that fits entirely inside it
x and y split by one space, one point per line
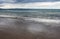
14 28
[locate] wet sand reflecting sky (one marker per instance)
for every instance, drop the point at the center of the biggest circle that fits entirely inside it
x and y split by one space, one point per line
20 28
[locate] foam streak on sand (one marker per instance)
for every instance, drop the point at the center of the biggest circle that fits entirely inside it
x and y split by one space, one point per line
44 20
33 19
6 16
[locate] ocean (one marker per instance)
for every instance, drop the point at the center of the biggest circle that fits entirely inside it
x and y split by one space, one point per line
29 23
35 13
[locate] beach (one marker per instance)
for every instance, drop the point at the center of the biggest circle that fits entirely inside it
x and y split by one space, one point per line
31 24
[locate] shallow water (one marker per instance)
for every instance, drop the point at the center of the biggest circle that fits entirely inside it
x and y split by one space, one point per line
19 28
29 27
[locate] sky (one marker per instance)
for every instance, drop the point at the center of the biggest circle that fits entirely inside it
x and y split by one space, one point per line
39 4
26 1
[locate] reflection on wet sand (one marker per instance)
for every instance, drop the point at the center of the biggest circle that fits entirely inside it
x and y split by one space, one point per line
24 29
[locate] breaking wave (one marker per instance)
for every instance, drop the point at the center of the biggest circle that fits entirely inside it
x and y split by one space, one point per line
32 19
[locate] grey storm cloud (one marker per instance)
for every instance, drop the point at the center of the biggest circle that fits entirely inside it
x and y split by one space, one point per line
36 0
25 1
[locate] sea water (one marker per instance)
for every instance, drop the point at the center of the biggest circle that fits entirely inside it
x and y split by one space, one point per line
30 23
35 13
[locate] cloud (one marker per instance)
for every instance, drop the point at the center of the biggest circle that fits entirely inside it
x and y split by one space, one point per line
26 1
8 1
35 5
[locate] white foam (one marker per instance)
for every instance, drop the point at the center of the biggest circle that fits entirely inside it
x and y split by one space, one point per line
34 19
7 16
43 20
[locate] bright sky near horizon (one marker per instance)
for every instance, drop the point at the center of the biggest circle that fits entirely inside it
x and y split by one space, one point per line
36 4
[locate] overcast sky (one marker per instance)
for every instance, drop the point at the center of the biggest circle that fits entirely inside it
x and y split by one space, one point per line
49 4
26 1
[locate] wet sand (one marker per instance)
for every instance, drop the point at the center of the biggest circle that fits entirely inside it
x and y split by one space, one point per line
14 28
